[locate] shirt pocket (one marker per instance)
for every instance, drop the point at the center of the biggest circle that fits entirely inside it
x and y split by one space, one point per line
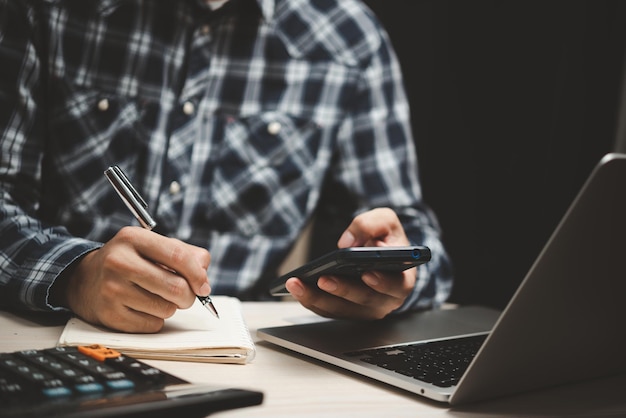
87 125
265 170
88 130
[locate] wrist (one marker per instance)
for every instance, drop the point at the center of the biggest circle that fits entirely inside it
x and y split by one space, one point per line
59 293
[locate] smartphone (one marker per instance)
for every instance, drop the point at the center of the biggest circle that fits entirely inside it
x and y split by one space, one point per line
351 262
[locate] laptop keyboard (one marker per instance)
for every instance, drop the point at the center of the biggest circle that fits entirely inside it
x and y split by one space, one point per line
441 363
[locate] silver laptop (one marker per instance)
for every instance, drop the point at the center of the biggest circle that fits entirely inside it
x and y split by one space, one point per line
565 322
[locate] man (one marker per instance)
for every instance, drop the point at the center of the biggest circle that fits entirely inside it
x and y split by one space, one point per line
236 120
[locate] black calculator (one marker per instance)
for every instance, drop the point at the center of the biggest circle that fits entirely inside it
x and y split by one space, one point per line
95 381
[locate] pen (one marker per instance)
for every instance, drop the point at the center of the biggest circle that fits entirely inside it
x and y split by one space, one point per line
139 208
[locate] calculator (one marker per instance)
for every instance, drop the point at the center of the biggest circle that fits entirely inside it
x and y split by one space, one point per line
95 381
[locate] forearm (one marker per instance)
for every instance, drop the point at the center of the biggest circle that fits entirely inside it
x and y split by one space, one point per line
379 168
32 256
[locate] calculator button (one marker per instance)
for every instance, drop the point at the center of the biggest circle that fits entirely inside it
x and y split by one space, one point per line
111 377
87 388
135 367
56 392
120 384
40 380
10 387
98 352
73 375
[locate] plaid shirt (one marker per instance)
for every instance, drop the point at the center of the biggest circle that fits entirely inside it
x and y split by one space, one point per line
231 123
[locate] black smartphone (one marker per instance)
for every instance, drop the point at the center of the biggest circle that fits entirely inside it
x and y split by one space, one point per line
351 262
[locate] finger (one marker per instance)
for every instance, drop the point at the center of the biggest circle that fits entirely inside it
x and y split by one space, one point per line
305 296
130 320
188 261
145 302
127 262
165 283
379 226
360 294
319 302
331 306
397 284
130 308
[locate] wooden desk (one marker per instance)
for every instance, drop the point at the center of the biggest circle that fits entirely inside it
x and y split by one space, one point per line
295 385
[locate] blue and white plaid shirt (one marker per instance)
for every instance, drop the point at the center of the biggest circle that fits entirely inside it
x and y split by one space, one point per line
229 123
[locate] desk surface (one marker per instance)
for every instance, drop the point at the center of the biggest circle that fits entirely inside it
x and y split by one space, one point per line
295 385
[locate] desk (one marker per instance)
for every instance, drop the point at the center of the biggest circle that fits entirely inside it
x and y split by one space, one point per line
295 385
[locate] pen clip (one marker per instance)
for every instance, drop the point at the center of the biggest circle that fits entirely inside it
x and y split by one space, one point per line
130 196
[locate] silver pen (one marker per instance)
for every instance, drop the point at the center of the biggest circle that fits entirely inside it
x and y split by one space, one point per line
139 208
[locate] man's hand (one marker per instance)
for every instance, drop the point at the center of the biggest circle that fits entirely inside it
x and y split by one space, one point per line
136 280
378 293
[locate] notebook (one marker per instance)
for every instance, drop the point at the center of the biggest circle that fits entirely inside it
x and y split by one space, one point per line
189 335
565 322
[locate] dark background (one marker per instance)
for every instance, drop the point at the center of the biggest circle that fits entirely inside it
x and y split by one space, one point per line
513 103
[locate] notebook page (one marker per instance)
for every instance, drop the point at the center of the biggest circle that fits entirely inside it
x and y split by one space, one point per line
188 334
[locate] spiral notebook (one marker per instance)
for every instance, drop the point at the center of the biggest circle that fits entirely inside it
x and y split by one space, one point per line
189 335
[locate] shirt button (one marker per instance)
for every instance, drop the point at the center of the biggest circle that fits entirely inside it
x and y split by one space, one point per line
274 128
103 105
174 188
206 29
188 108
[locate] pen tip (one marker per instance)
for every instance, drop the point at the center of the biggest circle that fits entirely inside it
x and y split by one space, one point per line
209 305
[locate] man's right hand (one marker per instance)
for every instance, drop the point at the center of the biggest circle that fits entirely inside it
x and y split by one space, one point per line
135 281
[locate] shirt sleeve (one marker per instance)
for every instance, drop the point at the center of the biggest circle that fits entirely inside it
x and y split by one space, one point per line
378 167
32 254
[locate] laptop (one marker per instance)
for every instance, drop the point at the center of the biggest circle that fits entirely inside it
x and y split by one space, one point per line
565 322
